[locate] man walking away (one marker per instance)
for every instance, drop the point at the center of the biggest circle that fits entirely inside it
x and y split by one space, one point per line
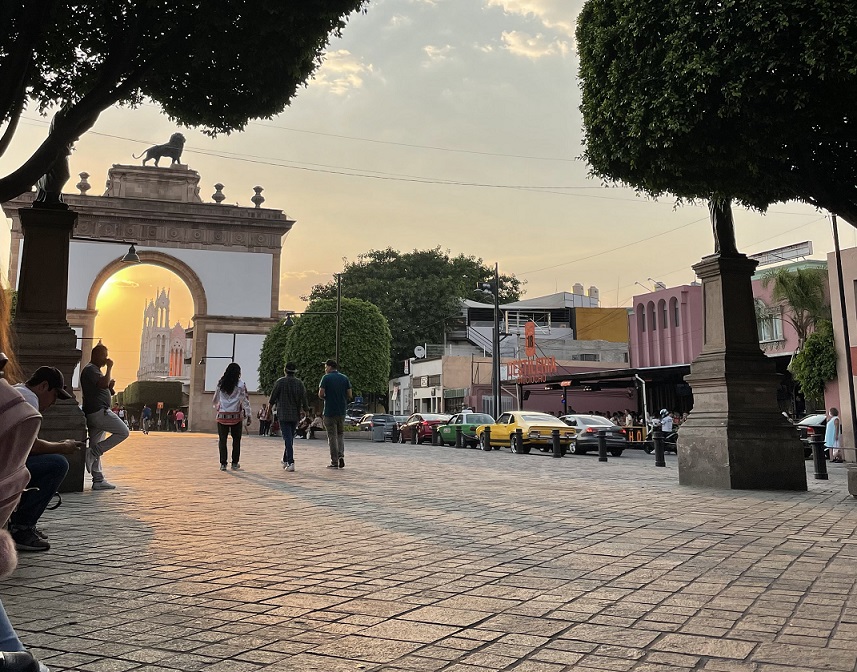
100 420
146 417
335 390
289 397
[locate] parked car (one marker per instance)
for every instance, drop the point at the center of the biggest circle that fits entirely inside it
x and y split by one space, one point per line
535 428
391 429
421 424
468 421
368 421
808 427
586 438
354 413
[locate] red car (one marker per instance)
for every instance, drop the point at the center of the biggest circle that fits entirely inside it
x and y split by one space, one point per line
421 424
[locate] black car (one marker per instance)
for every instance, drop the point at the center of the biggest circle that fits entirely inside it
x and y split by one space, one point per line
371 420
586 439
812 425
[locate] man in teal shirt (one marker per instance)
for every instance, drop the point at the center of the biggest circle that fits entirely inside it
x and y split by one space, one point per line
335 390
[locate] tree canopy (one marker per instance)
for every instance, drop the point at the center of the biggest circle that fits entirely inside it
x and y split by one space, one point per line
214 64
746 100
364 345
803 295
417 292
815 364
272 357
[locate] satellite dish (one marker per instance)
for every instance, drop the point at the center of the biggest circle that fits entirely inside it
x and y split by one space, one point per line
419 352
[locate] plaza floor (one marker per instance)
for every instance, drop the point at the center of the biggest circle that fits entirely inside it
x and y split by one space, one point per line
431 558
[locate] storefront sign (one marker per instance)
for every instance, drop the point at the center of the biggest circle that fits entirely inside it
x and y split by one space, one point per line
532 370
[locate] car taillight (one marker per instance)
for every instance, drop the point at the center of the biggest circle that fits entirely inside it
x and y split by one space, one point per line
622 431
425 423
810 430
590 430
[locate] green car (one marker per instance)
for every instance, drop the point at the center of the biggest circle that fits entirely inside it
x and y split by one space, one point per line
468 421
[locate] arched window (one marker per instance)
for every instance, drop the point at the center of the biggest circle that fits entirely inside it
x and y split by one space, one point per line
652 320
662 309
769 322
641 317
674 310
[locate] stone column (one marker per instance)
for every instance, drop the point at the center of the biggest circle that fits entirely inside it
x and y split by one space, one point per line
736 436
42 333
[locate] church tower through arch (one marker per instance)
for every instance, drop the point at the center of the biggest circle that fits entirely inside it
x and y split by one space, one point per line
162 347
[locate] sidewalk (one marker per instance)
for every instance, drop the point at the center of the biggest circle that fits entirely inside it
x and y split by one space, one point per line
430 558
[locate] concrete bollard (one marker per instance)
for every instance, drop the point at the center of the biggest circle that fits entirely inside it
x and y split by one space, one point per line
458 438
486 439
602 445
557 446
818 459
658 440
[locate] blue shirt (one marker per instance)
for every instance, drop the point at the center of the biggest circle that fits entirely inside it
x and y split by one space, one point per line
335 386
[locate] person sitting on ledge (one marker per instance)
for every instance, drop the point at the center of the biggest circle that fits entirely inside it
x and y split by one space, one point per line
316 425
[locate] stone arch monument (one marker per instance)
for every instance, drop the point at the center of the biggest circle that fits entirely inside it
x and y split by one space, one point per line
228 256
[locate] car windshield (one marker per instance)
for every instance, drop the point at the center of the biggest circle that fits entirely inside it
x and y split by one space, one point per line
815 419
595 420
380 417
539 417
478 419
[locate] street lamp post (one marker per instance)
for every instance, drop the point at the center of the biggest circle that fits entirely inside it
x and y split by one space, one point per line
493 288
338 312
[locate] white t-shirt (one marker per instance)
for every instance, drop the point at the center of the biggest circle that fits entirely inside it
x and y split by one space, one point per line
667 423
28 395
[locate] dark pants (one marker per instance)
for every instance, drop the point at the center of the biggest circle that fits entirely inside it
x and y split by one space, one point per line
223 431
288 430
46 473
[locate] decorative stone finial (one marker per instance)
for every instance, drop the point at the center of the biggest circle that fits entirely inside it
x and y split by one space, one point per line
258 199
218 196
83 186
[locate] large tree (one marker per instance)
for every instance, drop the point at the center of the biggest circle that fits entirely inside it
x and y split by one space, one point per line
803 295
214 64
364 345
747 100
418 292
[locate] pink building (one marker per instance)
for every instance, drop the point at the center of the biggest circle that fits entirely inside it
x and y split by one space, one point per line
666 327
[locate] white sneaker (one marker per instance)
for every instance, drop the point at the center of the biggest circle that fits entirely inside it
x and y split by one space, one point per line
290 467
102 485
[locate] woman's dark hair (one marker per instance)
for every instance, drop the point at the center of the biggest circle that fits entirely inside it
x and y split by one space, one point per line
230 378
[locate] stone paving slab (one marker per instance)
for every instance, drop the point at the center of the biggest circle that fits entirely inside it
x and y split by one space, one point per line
420 558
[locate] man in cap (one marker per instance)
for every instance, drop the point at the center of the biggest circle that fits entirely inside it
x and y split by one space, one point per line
289 397
46 462
335 389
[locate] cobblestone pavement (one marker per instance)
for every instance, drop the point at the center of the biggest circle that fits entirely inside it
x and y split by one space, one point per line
430 558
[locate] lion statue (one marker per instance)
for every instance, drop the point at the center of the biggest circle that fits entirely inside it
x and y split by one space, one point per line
172 149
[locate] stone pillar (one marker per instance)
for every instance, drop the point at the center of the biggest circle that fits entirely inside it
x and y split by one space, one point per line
736 436
42 333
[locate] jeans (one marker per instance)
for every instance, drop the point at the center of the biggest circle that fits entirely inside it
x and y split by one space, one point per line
146 422
99 425
46 474
334 425
288 430
223 431
8 637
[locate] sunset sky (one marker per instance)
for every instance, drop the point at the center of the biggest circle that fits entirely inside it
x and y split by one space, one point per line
450 123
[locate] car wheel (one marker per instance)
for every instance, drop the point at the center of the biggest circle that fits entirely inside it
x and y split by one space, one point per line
575 449
616 452
513 444
483 444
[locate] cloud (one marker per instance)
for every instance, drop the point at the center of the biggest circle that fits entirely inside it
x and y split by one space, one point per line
123 284
436 54
301 275
534 46
341 72
399 20
558 15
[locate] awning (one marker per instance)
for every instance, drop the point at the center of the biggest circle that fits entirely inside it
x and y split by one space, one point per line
614 378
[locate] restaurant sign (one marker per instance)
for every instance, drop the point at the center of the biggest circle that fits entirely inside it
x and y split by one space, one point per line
531 370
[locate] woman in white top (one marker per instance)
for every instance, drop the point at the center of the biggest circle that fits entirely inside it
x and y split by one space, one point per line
832 433
233 409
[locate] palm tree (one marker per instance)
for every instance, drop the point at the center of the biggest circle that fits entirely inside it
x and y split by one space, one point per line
803 295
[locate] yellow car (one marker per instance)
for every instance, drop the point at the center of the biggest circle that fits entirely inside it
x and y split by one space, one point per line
535 429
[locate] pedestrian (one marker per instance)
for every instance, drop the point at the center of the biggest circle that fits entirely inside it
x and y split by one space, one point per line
289 397
46 462
233 410
122 415
146 417
335 390
171 420
179 420
262 415
97 389
832 436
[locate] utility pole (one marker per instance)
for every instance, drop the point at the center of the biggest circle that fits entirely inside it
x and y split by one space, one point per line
845 334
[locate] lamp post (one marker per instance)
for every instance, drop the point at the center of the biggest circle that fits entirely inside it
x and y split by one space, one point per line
338 312
845 334
493 288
